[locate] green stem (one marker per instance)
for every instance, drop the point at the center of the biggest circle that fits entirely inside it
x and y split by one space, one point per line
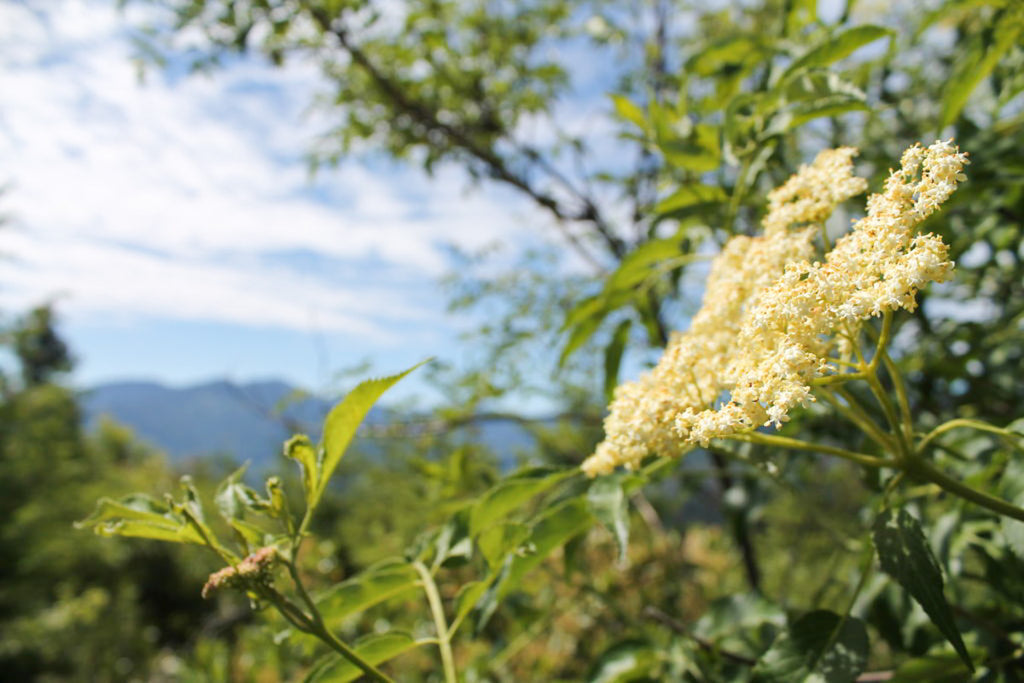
883 339
853 412
838 378
316 626
902 447
906 416
444 644
351 655
225 554
954 424
787 442
916 465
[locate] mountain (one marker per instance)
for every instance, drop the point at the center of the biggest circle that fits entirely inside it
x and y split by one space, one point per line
248 421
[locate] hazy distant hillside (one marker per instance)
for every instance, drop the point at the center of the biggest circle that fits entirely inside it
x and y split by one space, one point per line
248 421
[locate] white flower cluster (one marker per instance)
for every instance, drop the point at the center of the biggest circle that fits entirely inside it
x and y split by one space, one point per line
769 322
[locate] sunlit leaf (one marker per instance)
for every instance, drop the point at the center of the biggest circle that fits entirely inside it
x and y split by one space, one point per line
978 64
690 197
629 111
300 449
140 516
837 47
511 493
905 555
343 420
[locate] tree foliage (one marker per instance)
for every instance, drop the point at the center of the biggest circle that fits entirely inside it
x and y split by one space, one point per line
899 559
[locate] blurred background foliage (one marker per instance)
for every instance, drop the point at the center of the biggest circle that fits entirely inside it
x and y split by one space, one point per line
712 104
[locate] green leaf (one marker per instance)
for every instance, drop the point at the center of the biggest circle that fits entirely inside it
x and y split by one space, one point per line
374 649
234 499
978 65
608 503
724 54
586 308
836 48
832 105
629 111
939 668
636 267
580 334
629 660
801 13
372 586
467 597
453 541
689 198
905 555
552 530
300 449
499 540
613 358
343 420
510 493
700 152
140 516
819 646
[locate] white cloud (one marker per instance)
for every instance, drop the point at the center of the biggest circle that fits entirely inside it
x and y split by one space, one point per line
166 199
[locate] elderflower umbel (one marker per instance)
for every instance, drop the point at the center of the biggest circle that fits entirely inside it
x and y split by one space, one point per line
769 322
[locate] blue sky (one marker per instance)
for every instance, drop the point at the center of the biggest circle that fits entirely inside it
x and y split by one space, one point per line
176 227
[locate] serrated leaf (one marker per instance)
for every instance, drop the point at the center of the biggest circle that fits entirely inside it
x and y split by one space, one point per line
510 493
374 649
608 503
613 357
372 586
140 516
978 65
836 48
343 420
904 554
819 646
629 660
629 111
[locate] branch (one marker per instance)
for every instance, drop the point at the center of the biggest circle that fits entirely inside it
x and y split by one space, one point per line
496 166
